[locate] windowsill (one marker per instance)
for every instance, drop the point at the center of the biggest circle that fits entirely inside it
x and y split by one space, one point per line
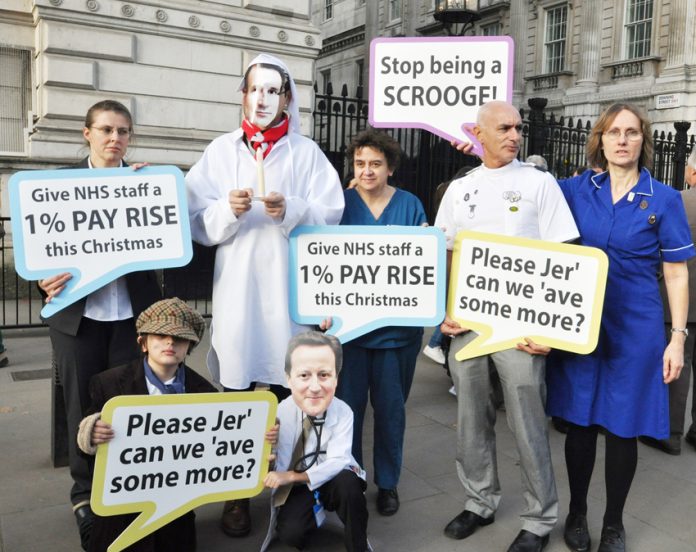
553 74
631 68
548 81
638 59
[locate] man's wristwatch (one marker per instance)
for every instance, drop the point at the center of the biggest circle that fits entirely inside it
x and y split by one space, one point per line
681 330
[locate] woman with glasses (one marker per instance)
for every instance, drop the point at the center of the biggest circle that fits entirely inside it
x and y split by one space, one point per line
98 331
641 225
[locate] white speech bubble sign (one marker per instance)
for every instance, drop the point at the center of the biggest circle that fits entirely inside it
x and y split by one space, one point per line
367 277
98 225
172 453
438 83
508 288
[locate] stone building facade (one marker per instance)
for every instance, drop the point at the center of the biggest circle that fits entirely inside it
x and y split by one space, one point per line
176 65
581 55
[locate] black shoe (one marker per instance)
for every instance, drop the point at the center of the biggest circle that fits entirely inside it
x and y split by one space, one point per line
613 539
528 542
691 438
465 524
387 501
236 520
85 518
670 446
575 533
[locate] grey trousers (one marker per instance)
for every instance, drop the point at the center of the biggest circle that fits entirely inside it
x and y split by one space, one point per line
522 377
679 388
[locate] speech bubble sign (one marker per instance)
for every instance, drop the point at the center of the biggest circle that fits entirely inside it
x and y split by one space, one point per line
97 225
438 83
367 277
508 288
172 453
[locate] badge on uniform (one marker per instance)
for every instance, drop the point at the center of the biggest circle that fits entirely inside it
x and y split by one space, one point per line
319 513
644 205
513 197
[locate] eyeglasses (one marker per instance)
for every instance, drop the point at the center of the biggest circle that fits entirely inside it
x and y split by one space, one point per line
631 134
108 131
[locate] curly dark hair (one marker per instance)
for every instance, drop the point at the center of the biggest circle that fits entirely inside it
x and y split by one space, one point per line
379 141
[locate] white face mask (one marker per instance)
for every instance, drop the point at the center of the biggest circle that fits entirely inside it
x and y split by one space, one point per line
263 100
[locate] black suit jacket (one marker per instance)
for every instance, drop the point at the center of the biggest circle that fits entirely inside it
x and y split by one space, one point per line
129 379
143 290
180 534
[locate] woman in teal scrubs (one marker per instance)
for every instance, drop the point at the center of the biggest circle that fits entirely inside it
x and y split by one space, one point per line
382 362
641 225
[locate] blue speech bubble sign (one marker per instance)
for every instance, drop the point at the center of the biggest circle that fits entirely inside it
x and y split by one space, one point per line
97 224
367 277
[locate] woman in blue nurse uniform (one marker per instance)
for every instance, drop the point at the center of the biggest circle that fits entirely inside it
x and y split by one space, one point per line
641 225
382 362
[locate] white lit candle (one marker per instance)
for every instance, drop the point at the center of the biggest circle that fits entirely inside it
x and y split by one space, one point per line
259 173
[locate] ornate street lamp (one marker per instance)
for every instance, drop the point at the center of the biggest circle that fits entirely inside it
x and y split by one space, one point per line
452 13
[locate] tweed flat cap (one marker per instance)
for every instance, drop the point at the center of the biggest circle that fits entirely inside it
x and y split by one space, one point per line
171 317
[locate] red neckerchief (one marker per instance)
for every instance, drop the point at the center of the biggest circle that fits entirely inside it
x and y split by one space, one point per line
265 139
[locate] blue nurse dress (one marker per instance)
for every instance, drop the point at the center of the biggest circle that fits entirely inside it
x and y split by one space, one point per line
620 385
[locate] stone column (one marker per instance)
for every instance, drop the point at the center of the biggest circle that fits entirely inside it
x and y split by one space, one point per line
519 16
590 43
681 49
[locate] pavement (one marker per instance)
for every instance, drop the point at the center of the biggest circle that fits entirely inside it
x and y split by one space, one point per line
35 514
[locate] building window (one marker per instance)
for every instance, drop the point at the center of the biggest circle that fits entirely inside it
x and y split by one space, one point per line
492 29
328 9
555 39
638 28
360 68
394 10
325 80
15 99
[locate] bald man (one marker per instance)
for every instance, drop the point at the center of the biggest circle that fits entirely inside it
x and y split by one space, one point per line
503 196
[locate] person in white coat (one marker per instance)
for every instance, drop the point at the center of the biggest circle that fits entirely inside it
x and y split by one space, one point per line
250 220
315 469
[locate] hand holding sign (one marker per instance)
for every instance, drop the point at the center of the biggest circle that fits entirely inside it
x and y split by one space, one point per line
438 83
509 288
96 225
172 453
367 277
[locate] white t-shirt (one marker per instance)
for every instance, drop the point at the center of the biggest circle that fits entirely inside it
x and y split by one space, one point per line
515 200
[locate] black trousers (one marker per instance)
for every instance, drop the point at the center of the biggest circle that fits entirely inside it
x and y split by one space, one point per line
344 494
96 347
178 535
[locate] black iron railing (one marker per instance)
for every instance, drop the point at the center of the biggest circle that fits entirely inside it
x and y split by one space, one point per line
427 162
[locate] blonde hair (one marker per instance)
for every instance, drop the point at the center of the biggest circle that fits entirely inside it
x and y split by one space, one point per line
595 151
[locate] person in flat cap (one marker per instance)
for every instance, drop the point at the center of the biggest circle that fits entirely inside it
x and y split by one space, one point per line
248 191
168 330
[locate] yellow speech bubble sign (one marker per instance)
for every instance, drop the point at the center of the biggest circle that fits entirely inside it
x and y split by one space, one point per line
172 453
507 288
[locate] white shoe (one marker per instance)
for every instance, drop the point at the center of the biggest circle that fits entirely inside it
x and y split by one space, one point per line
453 391
434 353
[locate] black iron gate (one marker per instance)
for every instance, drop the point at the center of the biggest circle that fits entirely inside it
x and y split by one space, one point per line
427 161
